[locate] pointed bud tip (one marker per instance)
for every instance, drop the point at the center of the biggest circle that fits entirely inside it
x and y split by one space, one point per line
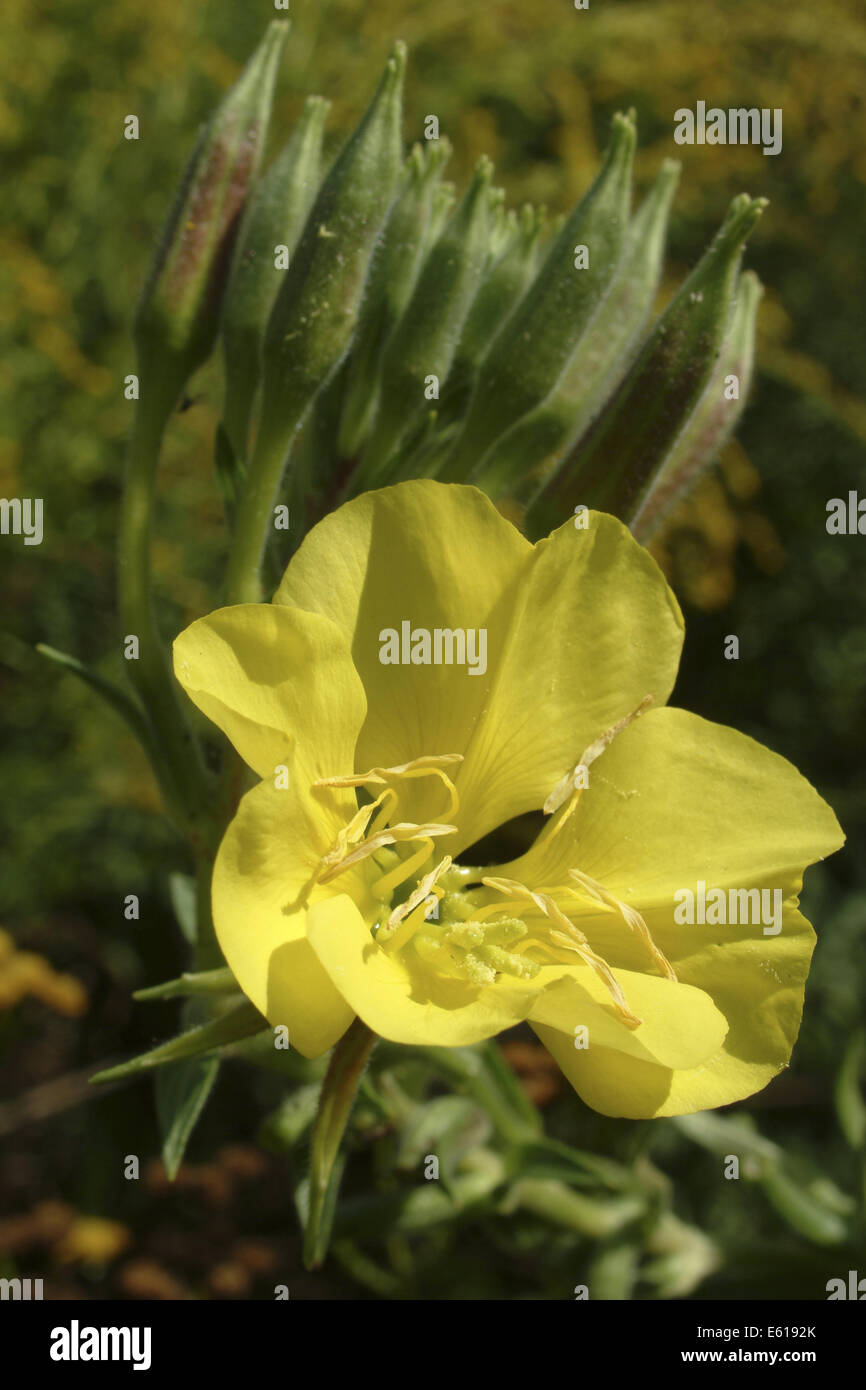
622 143
624 124
751 287
396 65
271 47
742 215
415 166
438 154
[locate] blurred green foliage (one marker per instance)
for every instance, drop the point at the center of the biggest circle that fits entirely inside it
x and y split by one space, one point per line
748 554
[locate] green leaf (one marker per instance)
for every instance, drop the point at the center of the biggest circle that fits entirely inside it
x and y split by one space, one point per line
596 1217
241 1022
484 1072
122 703
318 1220
548 1158
449 1127
181 888
803 1210
181 1095
848 1096
192 985
724 1135
290 1121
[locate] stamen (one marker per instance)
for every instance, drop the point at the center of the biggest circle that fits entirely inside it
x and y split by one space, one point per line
386 933
407 929
571 938
355 830
395 834
568 785
430 765
629 914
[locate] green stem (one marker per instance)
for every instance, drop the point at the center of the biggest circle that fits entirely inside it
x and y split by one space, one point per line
150 672
237 413
348 1060
255 513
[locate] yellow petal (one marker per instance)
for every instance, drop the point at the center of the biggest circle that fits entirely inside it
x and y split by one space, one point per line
261 895
579 629
762 1002
680 1027
279 683
417 1008
675 800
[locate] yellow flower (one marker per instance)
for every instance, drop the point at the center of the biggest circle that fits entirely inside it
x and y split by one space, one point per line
340 888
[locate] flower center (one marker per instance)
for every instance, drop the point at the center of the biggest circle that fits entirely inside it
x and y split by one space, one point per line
442 916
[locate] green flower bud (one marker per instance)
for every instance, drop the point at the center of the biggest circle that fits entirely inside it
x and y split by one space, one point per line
277 211
177 318
714 417
535 342
317 307
393 276
504 284
419 352
614 464
520 461
316 310
444 199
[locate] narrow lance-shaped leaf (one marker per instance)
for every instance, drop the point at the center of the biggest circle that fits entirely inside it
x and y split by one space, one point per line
714 417
393 275
133 715
316 309
177 318
278 208
182 1092
240 1022
534 343
519 462
423 343
847 1093
192 984
614 465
